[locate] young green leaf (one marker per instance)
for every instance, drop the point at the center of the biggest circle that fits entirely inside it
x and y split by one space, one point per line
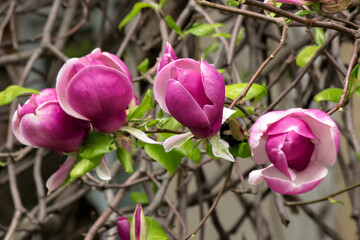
201 30
240 36
143 66
172 24
329 94
333 201
241 150
84 166
139 197
319 36
145 106
135 11
125 159
232 3
305 55
220 34
14 91
354 82
96 144
220 148
255 91
154 230
170 160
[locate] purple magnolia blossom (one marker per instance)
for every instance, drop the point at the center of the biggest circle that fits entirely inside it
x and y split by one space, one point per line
193 93
96 88
297 143
138 230
41 122
123 226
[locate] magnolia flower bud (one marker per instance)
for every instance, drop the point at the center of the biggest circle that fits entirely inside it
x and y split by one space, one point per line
41 122
193 93
96 88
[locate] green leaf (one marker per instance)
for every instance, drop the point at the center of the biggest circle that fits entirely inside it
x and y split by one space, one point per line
241 150
14 91
154 230
232 3
333 201
162 3
354 82
145 105
135 11
210 48
189 150
172 24
201 30
84 166
143 66
329 94
240 36
220 34
319 36
305 55
240 113
209 152
170 160
255 91
125 159
316 6
96 144
139 197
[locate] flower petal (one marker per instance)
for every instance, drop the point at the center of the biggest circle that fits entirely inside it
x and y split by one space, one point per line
123 226
102 170
324 127
139 135
57 178
167 73
106 90
167 57
62 81
50 127
176 141
305 180
189 114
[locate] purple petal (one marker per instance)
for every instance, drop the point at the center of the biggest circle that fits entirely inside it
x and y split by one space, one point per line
62 81
192 82
167 57
57 178
273 146
16 128
305 180
113 61
50 127
288 124
106 90
298 150
323 127
166 74
123 226
185 109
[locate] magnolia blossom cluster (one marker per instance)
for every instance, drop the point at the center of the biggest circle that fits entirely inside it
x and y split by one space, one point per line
94 91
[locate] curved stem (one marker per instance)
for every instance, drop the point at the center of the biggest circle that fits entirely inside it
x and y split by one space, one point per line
299 203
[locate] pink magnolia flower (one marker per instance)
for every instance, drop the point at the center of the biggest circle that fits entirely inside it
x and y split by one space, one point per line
42 123
96 88
192 92
298 143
